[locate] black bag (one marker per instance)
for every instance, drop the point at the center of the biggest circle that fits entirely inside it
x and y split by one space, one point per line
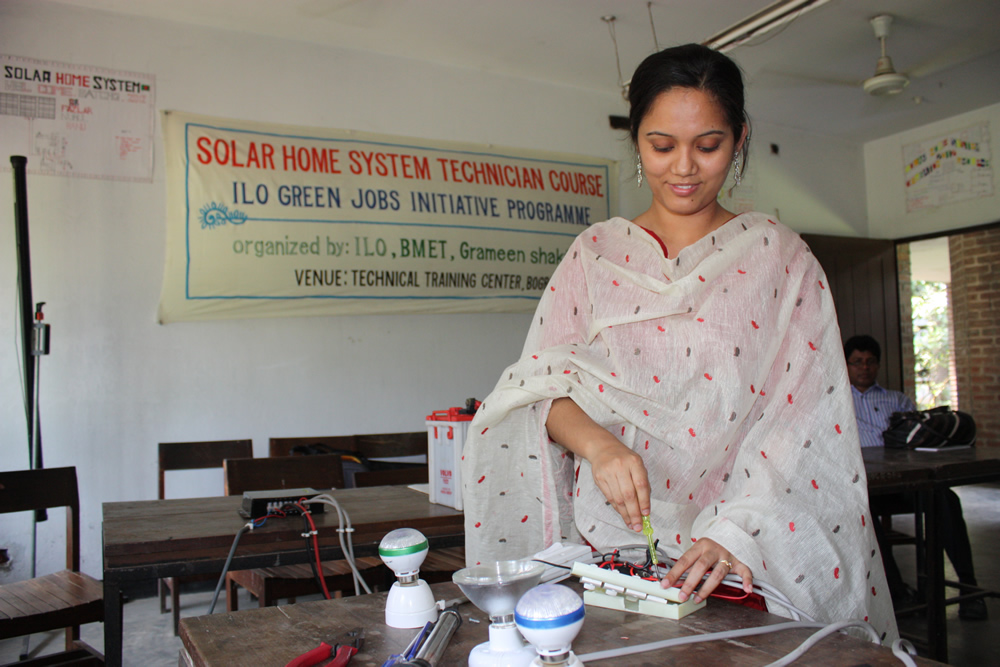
937 428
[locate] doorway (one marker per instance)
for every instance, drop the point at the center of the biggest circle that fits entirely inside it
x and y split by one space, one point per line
973 329
932 371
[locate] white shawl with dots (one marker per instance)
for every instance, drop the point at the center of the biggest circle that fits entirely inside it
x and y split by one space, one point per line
724 369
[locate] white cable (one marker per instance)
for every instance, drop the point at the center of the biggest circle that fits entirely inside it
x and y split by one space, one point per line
904 656
694 639
348 548
772 594
825 632
765 590
769 593
344 526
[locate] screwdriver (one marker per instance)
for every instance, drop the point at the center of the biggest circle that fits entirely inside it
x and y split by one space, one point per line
647 530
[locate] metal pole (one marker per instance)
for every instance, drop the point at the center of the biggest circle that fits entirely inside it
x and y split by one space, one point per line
19 164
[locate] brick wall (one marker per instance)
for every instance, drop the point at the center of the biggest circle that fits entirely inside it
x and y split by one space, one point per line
954 400
906 319
975 271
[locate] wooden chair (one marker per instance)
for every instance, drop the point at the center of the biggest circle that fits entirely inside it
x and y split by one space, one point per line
883 509
394 477
440 564
284 446
370 446
385 445
320 472
65 599
271 584
176 456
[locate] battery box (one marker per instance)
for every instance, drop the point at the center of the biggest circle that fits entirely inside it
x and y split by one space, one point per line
261 503
446 432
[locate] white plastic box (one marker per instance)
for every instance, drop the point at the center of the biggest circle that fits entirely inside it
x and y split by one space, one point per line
446 433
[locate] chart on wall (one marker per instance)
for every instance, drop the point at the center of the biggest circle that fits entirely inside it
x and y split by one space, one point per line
77 120
268 220
952 167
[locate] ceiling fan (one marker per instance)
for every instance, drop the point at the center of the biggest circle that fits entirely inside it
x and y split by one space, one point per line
886 81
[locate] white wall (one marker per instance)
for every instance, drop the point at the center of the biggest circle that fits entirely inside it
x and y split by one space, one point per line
887 195
117 383
814 184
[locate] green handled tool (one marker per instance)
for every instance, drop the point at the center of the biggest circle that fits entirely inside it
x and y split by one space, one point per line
647 530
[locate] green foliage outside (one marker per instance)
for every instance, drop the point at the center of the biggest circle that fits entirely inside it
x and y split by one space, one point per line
931 343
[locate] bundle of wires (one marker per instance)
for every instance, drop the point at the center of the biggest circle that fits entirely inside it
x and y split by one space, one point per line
618 562
345 533
614 562
312 543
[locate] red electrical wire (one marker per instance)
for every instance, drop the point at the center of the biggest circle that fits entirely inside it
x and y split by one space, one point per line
319 565
614 563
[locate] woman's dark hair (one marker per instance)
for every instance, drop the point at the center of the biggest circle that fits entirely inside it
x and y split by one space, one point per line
689 66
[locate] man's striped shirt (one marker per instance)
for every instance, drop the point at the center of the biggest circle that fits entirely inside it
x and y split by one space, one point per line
873 409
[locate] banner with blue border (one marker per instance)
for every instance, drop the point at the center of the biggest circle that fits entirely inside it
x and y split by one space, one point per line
269 220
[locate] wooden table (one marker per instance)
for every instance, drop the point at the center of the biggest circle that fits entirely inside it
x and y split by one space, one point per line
930 474
150 539
275 635
901 469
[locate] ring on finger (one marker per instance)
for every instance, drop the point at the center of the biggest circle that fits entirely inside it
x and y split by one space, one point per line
723 561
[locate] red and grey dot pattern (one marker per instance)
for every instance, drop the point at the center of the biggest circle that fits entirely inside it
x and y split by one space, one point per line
712 365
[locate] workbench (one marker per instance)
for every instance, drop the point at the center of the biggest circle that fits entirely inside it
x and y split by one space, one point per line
276 635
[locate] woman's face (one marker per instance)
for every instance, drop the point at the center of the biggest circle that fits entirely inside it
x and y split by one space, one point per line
686 147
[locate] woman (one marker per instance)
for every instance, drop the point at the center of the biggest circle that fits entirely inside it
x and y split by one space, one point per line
686 365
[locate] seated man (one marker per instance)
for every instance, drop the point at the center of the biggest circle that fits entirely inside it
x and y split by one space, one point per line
873 405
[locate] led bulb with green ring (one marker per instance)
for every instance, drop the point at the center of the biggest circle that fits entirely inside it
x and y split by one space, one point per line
403 550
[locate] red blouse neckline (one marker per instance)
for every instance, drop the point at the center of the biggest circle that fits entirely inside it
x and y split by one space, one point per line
663 245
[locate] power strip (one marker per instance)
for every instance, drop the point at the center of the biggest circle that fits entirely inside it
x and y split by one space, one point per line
614 590
261 503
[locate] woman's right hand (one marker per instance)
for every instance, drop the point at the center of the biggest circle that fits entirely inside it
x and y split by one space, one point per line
618 471
621 476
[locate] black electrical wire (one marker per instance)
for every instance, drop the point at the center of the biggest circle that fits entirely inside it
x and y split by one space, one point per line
545 562
225 568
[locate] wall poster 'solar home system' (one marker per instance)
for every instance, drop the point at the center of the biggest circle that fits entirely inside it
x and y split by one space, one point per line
268 220
77 120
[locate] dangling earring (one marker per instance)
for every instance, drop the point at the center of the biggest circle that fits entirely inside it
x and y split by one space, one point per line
638 167
737 173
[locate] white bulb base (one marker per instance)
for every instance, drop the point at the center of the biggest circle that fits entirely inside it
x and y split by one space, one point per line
504 649
570 661
410 606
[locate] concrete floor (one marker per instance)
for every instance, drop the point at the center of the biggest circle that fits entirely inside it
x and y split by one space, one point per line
149 638
971 643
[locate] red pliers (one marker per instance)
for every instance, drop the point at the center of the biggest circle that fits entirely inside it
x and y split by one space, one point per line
341 652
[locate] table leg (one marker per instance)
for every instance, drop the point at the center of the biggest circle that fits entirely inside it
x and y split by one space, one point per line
937 631
112 623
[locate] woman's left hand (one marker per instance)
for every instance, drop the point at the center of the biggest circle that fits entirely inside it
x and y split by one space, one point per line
706 555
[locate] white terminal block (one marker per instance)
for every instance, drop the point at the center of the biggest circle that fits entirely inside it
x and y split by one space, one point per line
614 590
